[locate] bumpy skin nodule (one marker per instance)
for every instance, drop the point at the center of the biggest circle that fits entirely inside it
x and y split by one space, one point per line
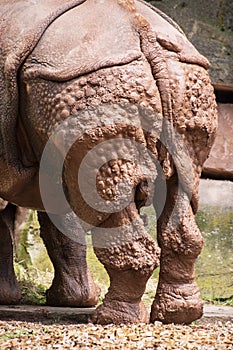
72 86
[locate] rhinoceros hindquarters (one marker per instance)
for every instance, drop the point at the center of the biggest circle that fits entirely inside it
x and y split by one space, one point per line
150 76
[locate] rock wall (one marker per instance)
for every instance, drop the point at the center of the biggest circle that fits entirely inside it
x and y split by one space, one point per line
209 26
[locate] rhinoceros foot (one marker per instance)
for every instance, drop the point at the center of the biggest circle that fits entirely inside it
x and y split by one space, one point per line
180 304
9 292
72 292
120 312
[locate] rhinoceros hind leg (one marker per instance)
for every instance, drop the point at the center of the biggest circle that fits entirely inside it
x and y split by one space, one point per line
9 288
120 312
129 255
177 303
177 298
72 284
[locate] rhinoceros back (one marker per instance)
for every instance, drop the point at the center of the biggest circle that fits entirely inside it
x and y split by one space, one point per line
100 34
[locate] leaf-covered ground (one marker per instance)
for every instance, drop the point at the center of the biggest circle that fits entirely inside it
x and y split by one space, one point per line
27 335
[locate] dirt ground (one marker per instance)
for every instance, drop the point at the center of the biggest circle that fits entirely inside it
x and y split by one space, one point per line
213 331
33 335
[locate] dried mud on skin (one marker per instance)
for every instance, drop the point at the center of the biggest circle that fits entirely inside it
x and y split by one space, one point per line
25 335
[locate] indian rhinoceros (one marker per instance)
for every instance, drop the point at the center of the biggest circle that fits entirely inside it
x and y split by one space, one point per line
105 107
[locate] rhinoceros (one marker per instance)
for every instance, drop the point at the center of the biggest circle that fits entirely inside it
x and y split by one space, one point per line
105 107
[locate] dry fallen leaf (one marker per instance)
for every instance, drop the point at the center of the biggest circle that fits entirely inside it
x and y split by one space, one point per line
31 335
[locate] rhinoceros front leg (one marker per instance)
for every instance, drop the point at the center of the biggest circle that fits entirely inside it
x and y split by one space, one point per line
129 256
9 288
177 298
72 284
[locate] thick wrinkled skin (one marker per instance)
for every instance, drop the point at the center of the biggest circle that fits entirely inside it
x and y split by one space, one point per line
133 105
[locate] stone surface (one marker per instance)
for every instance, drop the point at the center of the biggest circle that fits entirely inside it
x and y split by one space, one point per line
209 26
81 315
220 163
40 313
218 311
216 193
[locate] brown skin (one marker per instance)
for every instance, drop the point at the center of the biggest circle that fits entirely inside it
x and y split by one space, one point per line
129 266
72 284
177 297
151 71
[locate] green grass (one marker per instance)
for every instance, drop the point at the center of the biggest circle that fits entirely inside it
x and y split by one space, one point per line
220 301
214 267
33 293
17 334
